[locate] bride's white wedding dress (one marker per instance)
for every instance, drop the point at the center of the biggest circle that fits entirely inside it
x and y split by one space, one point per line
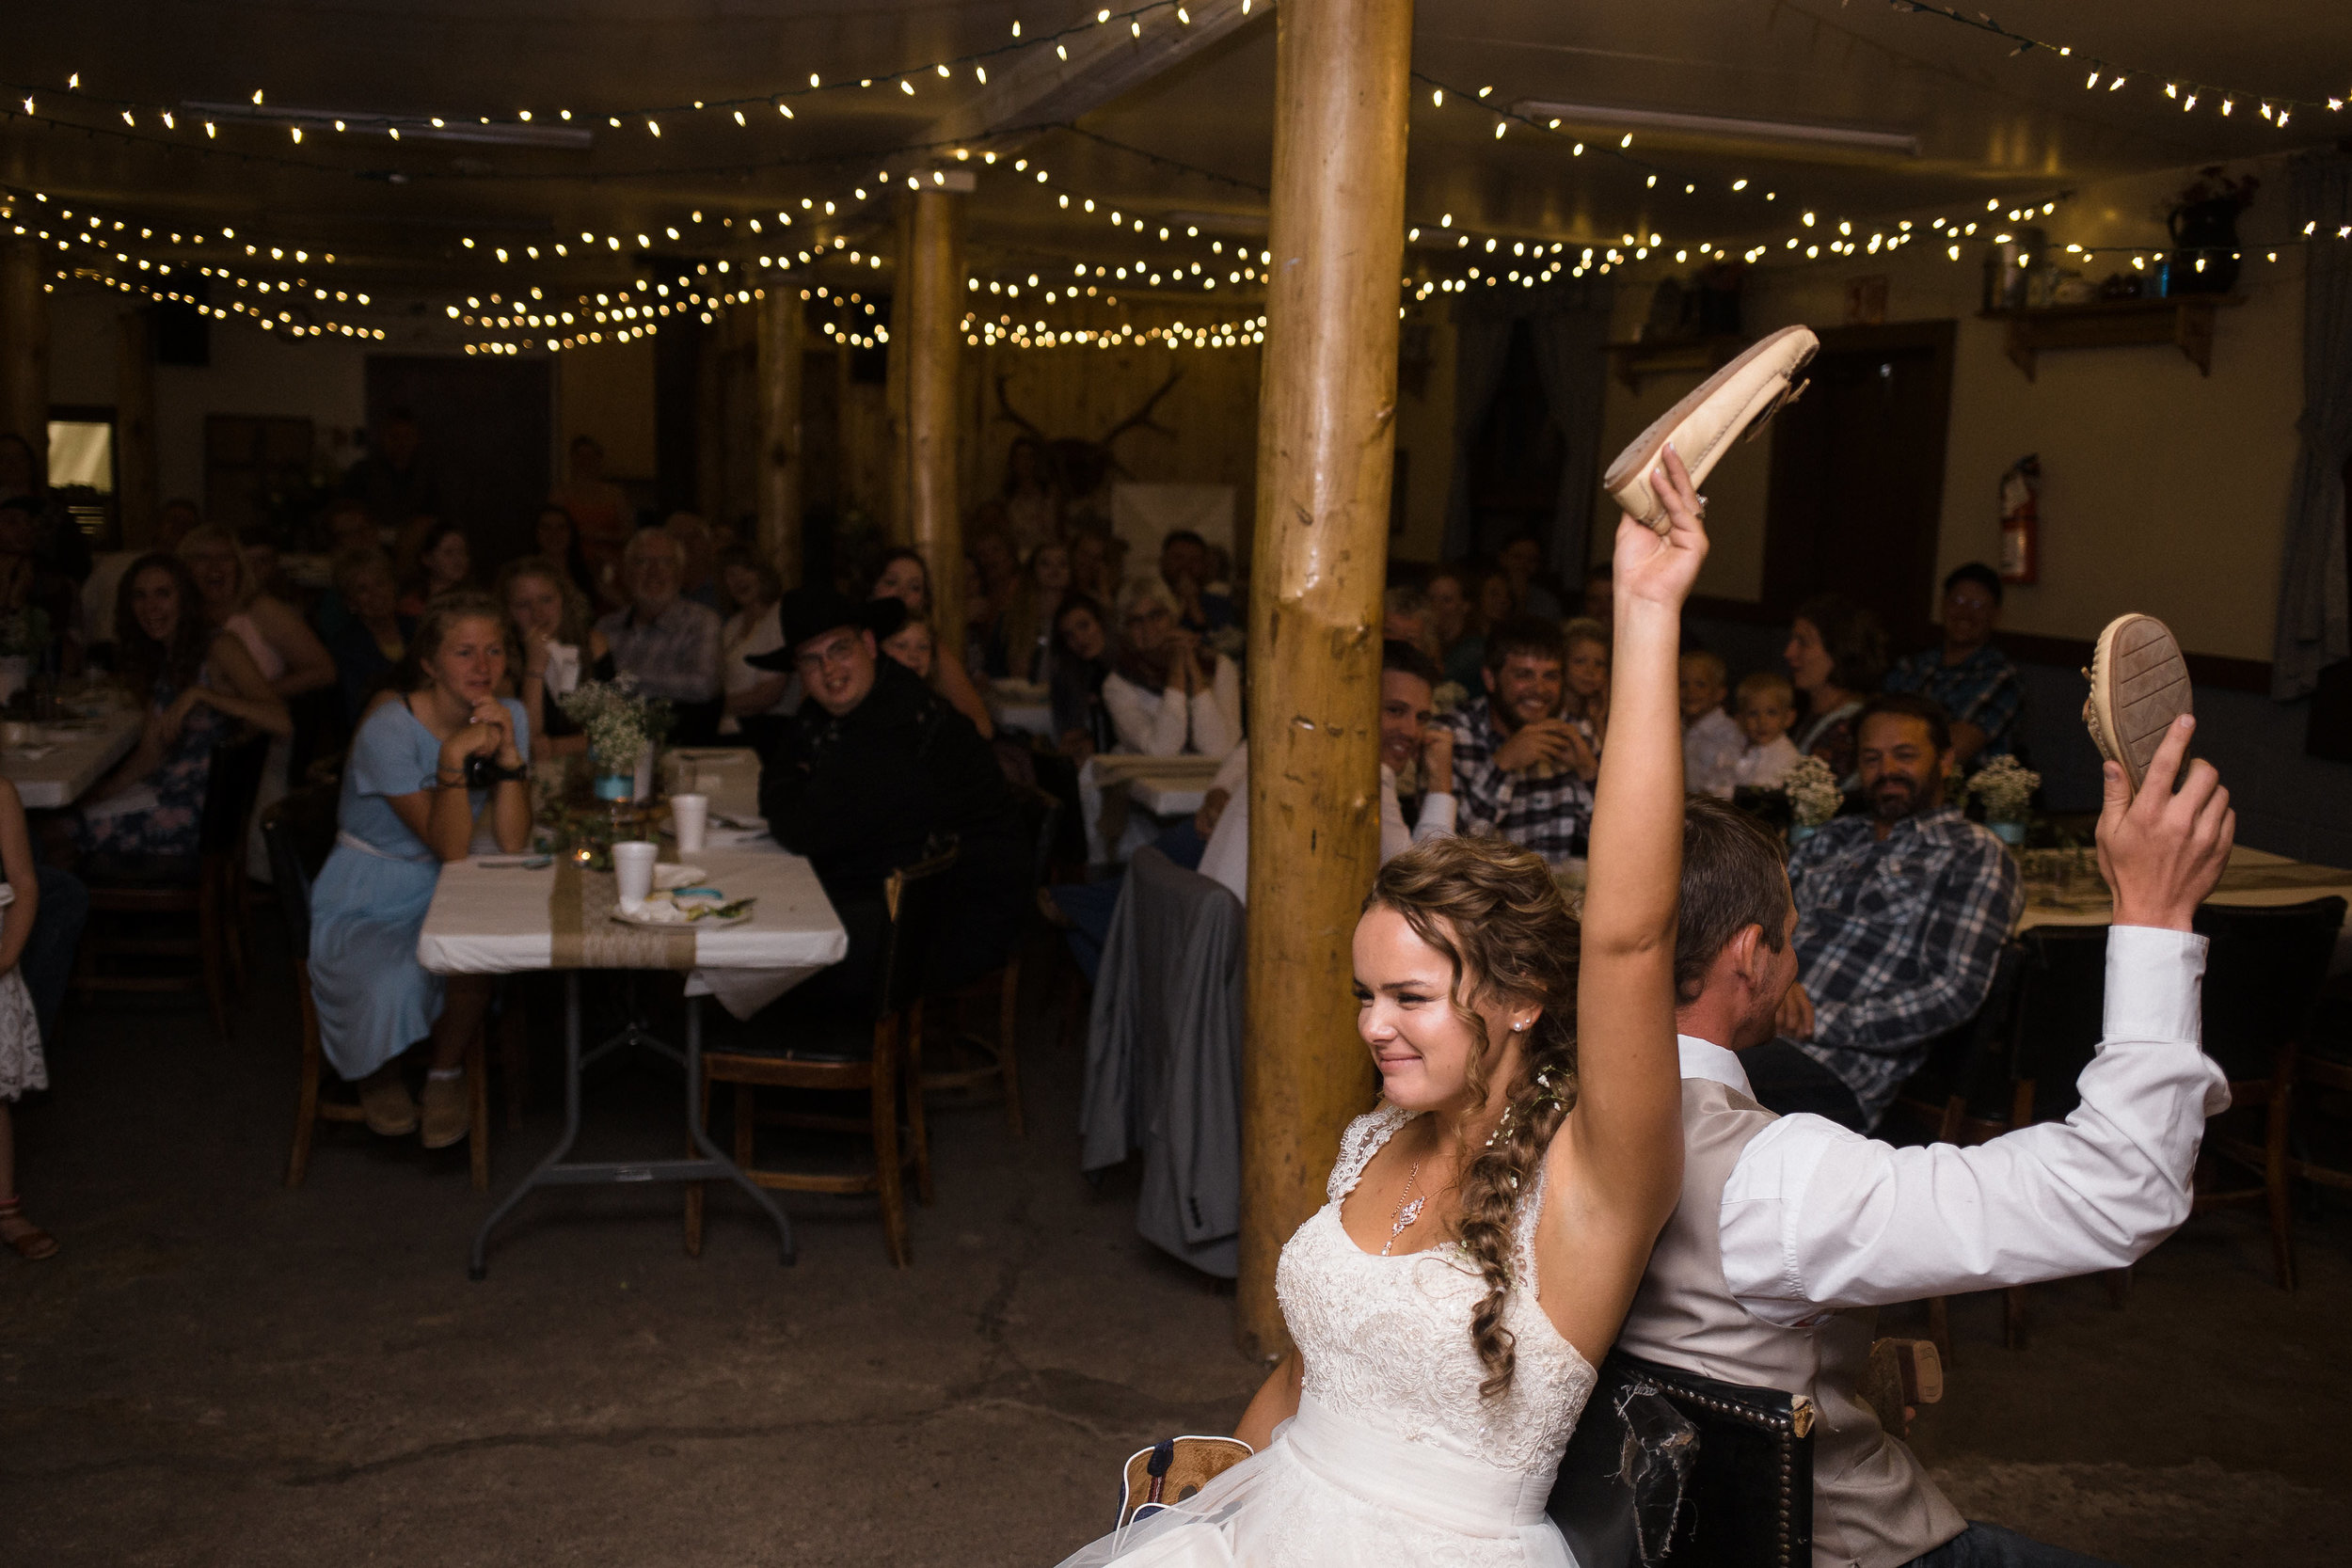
1393 1458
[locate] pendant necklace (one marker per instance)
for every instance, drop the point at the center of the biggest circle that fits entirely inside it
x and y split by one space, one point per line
1407 1212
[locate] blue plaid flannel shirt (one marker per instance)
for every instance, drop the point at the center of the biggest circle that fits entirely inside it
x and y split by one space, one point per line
1896 941
1550 816
1981 689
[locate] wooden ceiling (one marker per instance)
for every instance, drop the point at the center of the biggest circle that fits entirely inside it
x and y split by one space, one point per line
1172 126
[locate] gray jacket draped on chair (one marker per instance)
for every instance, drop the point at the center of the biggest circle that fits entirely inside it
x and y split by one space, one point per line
1164 1060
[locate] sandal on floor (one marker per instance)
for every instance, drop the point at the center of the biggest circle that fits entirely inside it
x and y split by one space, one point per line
34 1244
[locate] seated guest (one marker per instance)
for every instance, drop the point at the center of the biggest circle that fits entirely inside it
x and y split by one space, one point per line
1900 917
1520 771
1712 740
1496 600
1081 663
699 548
288 651
873 773
1600 588
911 643
905 577
1186 571
545 611
1584 701
439 561
1021 644
997 566
668 644
27 583
422 768
22 1064
602 519
1098 563
1522 563
1405 618
557 540
1409 738
1170 694
1460 631
1971 679
198 684
1837 657
1767 707
749 591
374 636
1792 1231
348 527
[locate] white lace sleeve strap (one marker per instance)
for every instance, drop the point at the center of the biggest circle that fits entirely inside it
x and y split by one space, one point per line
1359 1144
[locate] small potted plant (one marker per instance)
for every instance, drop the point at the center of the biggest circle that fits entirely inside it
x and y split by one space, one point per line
624 732
1811 790
2004 787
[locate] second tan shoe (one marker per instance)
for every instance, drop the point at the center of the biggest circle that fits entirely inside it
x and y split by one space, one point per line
384 1103
448 1111
1741 396
2139 684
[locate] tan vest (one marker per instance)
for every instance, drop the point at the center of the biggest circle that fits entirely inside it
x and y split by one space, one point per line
1873 1505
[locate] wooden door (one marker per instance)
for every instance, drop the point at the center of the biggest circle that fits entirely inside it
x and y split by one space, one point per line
1857 479
484 430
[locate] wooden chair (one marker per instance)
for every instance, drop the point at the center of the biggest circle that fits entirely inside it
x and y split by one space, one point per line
1958 1094
2323 1063
210 891
869 1048
300 833
2263 968
1000 988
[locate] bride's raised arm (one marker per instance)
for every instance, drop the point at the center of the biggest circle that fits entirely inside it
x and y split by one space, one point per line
1626 1132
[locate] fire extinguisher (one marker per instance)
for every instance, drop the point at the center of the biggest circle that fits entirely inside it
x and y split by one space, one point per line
2020 520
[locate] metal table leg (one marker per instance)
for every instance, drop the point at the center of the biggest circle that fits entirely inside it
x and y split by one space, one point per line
555 1171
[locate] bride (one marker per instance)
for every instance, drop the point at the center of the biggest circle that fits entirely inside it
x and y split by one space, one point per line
1488 1222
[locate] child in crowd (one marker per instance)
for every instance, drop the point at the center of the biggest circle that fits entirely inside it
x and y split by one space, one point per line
1768 706
1586 676
1711 741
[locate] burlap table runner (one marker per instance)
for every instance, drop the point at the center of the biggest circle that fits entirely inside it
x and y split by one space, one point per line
585 935
2257 878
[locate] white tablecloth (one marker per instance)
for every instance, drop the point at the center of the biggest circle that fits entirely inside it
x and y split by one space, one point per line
494 919
68 761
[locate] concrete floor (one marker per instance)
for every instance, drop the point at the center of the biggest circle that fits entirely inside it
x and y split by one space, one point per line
219 1370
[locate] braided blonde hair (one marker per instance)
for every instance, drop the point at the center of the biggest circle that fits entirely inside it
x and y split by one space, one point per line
1495 912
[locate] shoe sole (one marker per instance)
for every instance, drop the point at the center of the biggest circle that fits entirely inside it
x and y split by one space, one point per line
452 1140
2139 684
1627 480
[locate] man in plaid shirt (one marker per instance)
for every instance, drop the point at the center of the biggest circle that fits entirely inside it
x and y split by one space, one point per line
1520 771
1972 680
1899 920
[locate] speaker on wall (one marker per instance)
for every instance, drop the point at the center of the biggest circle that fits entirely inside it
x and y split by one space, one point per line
182 335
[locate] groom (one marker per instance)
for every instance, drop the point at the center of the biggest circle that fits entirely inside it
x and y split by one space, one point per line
1792 1231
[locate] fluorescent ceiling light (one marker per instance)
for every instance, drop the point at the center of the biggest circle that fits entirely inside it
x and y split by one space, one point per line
372 122
1723 127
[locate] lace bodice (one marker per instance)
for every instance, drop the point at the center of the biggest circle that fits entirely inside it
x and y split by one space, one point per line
1387 1340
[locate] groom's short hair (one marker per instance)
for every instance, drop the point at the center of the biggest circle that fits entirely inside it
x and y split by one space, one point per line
1733 877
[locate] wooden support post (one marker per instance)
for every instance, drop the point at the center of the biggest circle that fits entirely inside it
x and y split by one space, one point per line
778 367
24 349
134 428
931 284
1326 436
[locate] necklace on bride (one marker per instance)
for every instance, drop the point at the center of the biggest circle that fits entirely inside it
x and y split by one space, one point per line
1406 1212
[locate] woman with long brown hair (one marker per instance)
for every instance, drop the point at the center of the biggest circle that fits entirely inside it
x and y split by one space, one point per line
1490 1221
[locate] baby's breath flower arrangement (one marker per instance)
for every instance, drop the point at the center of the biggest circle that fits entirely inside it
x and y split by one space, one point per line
1812 791
2005 788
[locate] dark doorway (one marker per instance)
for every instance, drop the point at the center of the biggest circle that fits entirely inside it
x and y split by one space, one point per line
1857 482
483 426
1515 461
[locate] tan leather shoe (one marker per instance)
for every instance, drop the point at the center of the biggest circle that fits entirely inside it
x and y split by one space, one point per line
384 1100
2139 684
448 1111
1741 396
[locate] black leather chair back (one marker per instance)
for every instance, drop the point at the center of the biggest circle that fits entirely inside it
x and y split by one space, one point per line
2061 1013
230 787
1671 1468
2264 968
1972 1061
914 900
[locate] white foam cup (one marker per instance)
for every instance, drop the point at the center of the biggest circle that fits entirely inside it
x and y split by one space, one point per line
632 864
689 819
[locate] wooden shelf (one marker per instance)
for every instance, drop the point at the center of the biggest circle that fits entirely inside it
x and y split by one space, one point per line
1703 357
2184 320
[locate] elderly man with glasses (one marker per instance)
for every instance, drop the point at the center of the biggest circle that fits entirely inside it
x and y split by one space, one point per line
667 643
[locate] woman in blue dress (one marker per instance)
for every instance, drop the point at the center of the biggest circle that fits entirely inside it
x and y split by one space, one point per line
407 808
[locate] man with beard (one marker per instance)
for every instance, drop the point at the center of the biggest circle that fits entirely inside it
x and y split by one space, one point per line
1520 771
1900 917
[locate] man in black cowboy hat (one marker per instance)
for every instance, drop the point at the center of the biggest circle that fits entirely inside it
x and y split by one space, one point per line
877 769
